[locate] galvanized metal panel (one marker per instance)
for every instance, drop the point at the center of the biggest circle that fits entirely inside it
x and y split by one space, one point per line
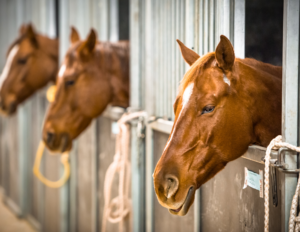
290 99
163 220
239 28
85 152
106 146
226 206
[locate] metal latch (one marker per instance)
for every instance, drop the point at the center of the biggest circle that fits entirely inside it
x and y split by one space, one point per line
281 165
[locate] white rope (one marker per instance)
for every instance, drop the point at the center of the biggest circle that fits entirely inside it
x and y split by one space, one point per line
294 221
117 209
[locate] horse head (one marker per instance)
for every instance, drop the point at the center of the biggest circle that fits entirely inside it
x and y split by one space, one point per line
224 105
31 62
92 75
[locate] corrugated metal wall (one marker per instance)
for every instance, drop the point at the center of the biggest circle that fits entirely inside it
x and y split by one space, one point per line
20 134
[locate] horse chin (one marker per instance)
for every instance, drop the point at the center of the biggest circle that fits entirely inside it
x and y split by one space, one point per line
184 209
65 144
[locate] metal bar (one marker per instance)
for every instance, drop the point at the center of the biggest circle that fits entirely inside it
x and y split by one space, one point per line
114 21
95 181
135 54
161 125
24 114
205 32
149 182
24 152
137 179
290 102
64 193
189 24
211 26
73 188
226 19
239 28
103 33
201 27
149 98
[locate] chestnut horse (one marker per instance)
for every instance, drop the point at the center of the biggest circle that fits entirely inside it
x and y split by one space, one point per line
93 75
224 105
32 61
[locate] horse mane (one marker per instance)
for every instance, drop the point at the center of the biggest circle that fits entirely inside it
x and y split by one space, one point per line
195 70
121 49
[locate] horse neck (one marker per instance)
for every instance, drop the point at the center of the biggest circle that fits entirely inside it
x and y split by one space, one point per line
116 65
260 91
51 48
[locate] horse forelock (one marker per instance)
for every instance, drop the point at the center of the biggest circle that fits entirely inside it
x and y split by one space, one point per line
194 72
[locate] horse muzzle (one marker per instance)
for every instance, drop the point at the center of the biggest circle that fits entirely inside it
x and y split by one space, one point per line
8 110
57 142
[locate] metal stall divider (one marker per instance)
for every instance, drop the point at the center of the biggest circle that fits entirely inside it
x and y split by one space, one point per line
290 101
201 22
94 149
29 116
79 210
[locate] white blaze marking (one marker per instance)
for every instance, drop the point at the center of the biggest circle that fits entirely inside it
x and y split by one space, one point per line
8 63
185 99
62 70
226 80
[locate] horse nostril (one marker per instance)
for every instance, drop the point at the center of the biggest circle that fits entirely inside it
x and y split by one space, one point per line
50 137
171 185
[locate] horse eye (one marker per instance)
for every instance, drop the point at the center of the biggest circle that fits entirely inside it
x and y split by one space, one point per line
22 61
69 83
207 109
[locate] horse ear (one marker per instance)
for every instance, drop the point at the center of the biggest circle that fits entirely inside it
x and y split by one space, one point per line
22 29
188 55
90 43
91 40
31 34
74 36
225 53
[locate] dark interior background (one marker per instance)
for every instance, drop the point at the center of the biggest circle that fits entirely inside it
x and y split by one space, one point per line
264 30
123 19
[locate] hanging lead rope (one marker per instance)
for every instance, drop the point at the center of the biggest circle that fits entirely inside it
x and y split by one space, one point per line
294 221
116 209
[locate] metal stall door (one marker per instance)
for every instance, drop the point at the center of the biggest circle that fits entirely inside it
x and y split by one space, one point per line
10 183
224 204
94 149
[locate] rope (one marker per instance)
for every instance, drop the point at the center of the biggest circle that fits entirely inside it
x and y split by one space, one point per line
117 209
36 168
294 221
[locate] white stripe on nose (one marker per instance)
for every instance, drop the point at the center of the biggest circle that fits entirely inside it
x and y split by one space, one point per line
185 99
62 71
8 63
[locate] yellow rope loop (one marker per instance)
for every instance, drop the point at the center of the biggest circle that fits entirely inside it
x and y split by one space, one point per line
64 161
